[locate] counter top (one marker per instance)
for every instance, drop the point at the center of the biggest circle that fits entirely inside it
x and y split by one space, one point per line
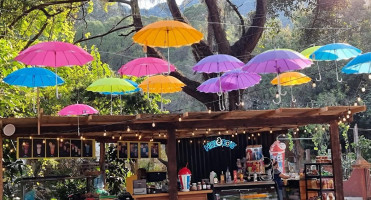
167 194
257 183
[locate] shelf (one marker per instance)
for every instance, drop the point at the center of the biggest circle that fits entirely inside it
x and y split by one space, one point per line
323 190
317 163
318 176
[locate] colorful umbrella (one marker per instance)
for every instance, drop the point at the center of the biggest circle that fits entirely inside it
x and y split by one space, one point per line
277 61
160 84
54 54
33 77
359 65
291 79
145 67
335 52
110 85
217 63
77 109
214 85
167 33
307 52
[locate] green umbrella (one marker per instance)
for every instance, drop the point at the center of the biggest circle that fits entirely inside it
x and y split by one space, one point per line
110 85
309 51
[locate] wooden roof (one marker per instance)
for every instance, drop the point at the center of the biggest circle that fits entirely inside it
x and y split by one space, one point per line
192 124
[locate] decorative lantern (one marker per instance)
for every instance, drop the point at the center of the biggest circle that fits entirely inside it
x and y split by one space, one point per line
185 179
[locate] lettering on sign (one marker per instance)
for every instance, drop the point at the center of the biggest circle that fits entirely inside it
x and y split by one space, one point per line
219 142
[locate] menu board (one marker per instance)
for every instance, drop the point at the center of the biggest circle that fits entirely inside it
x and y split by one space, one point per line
134 149
33 148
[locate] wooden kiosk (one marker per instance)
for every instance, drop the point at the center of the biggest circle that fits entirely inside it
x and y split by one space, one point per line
186 125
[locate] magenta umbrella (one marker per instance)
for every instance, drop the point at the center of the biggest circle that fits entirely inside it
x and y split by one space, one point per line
54 54
217 63
77 109
146 66
214 85
277 61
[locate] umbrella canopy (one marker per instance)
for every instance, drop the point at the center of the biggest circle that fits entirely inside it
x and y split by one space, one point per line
137 89
335 51
161 84
218 63
77 109
359 65
213 85
238 79
110 85
33 77
277 61
54 54
291 78
308 51
167 33
145 67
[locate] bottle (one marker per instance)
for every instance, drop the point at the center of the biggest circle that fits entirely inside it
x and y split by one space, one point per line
203 185
222 178
211 177
215 179
228 175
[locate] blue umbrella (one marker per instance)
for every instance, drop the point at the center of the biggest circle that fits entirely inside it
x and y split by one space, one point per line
335 52
359 65
34 77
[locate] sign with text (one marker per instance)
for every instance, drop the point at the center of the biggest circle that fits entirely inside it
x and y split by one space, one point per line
219 142
134 149
34 148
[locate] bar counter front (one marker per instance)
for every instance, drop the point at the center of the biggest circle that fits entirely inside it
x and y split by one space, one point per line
191 195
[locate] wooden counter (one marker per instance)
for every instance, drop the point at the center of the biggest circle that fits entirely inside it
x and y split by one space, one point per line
191 195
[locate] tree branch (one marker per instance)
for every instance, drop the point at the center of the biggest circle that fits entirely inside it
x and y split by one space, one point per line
248 41
127 34
103 34
242 21
219 32
36 36
40 7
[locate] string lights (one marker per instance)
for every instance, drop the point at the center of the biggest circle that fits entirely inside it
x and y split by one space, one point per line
105 133
314 84
128 129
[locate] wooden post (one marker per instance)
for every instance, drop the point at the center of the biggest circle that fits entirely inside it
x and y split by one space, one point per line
336 160
172 165
1 161
102 160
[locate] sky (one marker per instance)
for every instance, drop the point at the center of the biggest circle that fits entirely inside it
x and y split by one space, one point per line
149 4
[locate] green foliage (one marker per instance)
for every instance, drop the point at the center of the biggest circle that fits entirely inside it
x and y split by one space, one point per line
364 145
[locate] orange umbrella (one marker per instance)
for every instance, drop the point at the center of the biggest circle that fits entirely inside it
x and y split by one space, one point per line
291 79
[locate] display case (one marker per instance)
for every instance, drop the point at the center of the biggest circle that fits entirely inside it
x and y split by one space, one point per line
319 181
261 190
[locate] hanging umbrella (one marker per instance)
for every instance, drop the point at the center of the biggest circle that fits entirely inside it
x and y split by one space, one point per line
77 109
214 85
307 52
217 63
291 79
359 65
110 85
145 67
277 61
33 77
167 33
335 52
54 54
161 84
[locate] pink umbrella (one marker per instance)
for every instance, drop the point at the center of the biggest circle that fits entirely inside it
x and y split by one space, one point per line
145 67
54 54
218 63
77 109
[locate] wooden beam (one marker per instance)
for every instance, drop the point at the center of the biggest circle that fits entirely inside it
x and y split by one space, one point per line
336 160
138 116
102 160
172 164
39 116
1 161
223 115
317 111
269 113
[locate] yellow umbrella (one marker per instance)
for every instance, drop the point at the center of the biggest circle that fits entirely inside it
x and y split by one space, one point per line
167 33
309 51
160 84
291 79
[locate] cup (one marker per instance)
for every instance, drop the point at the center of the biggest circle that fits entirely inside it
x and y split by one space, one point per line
38 149
52 148
26 147
284 182
87 148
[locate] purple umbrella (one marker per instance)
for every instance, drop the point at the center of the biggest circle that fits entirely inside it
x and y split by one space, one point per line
277 61
214 85
217 63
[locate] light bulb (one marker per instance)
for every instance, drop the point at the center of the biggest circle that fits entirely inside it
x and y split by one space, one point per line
258 134
226 131
61 139
178 141
190 141
136 134
159 134
232 135
128 129
369 76
105 133
348 116
242 103
207 132
305 130
315 128
314 84
140 137
165 135
179 119
355 104
244 132
209 129
11 150
219 133
349 112
57 138
323 128
248 137
153 124
277 95
297 129
363 89
120 137
193 133
359 99
271 131
294 132
283 135
252 135
81 137
209 111
44 141
204 141
113 137
236 133
344 119
30 137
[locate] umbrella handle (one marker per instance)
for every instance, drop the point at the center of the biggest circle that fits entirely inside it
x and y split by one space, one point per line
240 103
279 100
319 73
292 96
337 74
279 91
